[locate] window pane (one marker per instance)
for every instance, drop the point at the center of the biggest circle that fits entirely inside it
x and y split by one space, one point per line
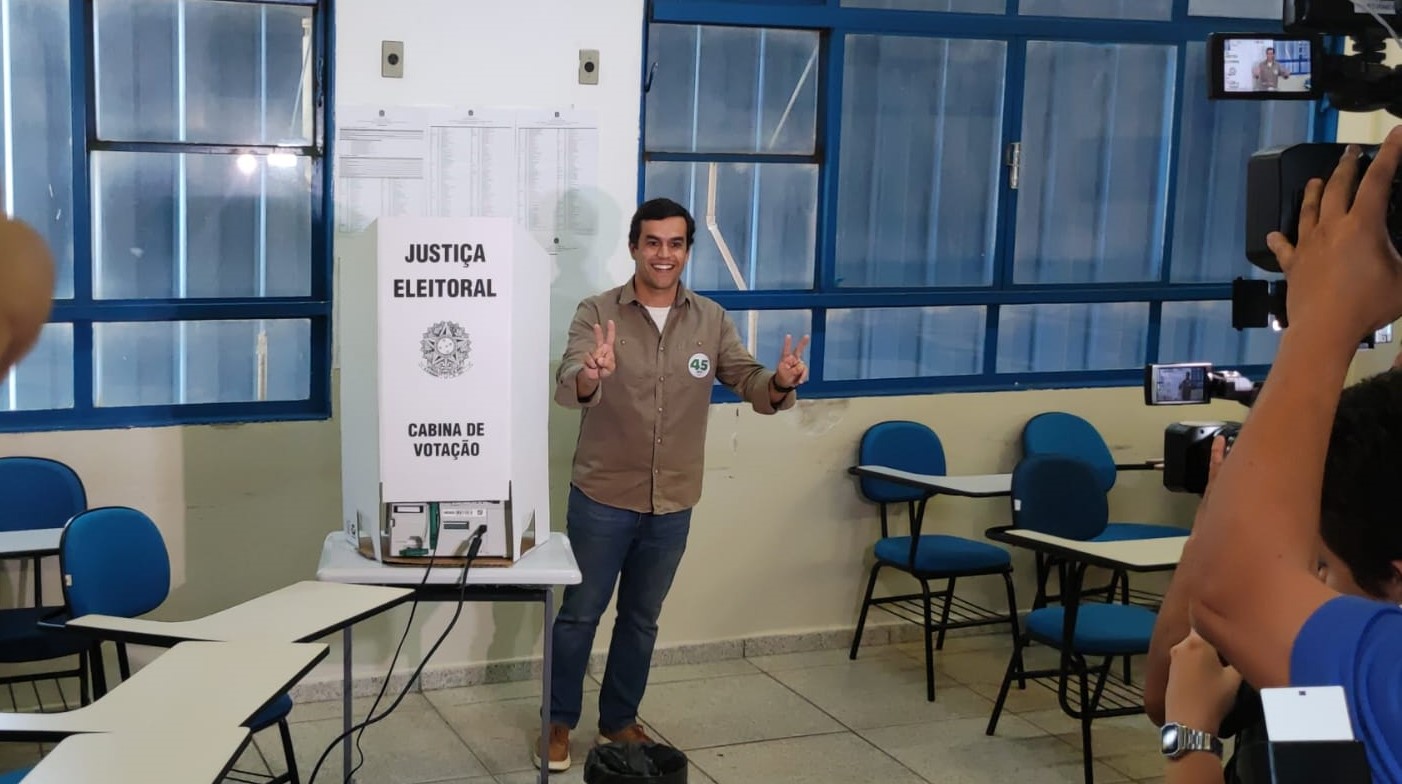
766 222
201 71
44 378
769 327
904 343
1218 138
1246 9
956 6
732 89
1049 338
1095 139
171 362
245 232
1100 9
1202 332
921 139
38 143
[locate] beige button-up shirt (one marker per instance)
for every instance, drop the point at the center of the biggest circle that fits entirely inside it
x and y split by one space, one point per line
642 435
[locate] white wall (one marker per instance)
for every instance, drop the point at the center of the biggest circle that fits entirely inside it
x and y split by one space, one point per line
779 542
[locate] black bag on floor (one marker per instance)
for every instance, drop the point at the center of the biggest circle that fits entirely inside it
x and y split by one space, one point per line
635 763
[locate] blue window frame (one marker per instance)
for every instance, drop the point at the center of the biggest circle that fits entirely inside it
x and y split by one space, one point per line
963 194
173 154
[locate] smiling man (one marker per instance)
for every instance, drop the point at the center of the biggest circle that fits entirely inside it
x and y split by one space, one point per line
641 362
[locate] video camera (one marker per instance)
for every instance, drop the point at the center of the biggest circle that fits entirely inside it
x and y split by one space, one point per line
1298 64
1187 446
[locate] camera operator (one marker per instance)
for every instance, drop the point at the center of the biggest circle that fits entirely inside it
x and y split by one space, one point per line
1251 570
1357 516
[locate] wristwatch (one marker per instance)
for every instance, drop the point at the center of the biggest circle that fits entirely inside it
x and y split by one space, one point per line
1176 740
773 382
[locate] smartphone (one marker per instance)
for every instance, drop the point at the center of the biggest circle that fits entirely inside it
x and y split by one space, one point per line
1315 713
1264 66
1183 384
1311 738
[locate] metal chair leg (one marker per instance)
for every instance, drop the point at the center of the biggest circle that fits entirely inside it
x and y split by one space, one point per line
1012 619
1087 755
1015 666
286 732
944 615
866 604
929 646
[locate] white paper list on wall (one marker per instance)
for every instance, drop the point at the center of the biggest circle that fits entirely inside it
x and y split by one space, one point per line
533 165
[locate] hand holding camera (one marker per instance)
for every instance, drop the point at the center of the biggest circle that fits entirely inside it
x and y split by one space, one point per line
1345 275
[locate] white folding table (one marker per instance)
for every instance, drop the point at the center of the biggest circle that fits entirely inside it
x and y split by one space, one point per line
202 756
180 718
531 579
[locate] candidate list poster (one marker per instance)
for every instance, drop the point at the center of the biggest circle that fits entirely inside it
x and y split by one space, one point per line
444 344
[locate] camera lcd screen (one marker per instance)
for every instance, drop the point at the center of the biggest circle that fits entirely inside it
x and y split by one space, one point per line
1177 385
1263 66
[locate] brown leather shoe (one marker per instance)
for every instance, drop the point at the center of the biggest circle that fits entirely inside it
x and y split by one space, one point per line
630 734
559 749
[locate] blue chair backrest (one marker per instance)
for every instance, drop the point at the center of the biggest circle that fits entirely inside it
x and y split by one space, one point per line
1059 495
38 493
906 446
1059 433
114 562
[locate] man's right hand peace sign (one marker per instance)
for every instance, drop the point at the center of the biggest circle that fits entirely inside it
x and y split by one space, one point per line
599 363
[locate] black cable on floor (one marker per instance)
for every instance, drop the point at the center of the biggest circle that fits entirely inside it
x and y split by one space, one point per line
473 547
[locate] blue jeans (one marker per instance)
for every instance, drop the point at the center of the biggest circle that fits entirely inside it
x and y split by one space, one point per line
641 553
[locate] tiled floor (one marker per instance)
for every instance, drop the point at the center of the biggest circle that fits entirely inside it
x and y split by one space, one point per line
805 717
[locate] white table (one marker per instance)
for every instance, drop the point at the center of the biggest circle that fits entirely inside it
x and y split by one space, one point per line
34 542
971 486
200 756
194 683
532 579
1134 555
301 612
180 718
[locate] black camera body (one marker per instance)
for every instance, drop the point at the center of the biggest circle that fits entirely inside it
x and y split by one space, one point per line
1187 446
1187 453
1275 189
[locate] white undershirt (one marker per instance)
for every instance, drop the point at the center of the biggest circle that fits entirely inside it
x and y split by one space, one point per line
659 315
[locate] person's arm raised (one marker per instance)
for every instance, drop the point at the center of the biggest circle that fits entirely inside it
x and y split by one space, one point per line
1250 565
1171 626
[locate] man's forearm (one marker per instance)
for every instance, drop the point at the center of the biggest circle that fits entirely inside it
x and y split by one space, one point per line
584 386
1249 565
776 397
1195 768
1169 629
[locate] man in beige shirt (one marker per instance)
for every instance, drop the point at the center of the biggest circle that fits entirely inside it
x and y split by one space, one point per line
1268 72
641 362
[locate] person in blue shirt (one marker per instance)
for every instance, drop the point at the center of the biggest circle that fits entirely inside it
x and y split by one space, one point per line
1252 567
1359 542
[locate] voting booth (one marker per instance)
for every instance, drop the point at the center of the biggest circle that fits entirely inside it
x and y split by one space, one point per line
444 389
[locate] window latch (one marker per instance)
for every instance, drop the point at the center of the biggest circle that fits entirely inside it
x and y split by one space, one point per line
1013 159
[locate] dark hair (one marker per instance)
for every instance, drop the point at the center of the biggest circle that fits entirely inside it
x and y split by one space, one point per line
660 209
1361 509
